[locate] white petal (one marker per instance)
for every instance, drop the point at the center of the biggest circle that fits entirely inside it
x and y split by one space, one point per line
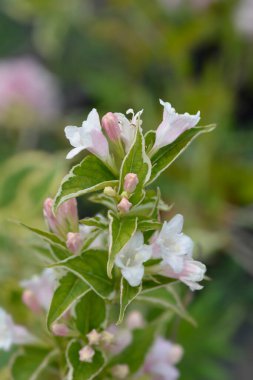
74 152
73 135
143 254
175 262
133 275
92 122
186 244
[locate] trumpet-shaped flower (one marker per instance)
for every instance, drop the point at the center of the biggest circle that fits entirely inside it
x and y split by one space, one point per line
89 136
131 258
192 273
41 287
173 125
12 334
128 127
161 359
172 245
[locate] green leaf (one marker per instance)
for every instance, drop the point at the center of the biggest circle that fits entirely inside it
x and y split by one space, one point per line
165 156
134 354
82 370
59 252
127 294
88 176
149 225
136 161
150 140
90 266
30 363
70 289
97 221
90 312
156 281
104 200
49 237
120 232
168 299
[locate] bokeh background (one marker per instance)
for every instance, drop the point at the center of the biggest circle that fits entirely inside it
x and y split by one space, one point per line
60 58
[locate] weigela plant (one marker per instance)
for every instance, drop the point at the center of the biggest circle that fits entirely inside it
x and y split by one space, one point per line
98 266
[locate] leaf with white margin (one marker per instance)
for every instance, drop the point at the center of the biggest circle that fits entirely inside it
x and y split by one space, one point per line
82 370
136 161
89 176
90 267
127 294
69 290
120 232
165 156
31 362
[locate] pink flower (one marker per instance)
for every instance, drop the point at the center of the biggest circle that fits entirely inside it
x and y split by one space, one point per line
40 290
135 320
192 272
173 125
26 84
130 182
110 124
160 360
66 218
124 205
89 136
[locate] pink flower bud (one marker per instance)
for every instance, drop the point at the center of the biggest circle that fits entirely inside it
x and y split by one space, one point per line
111 126
130 182
59 329
30 300
86 354
66 218
124 205
74 242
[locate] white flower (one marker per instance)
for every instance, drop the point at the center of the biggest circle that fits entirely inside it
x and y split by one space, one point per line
89 136
131 258
42 287
173 125
172 245
193 272
12 334
128 127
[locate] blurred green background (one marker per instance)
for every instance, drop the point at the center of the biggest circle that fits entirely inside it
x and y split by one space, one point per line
60 58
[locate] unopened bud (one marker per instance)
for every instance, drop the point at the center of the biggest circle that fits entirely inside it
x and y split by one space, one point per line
64 220
120 371
135 320
111 126
86 354
108 190
30 300
124 205
74 242
93 337
59 329
130 182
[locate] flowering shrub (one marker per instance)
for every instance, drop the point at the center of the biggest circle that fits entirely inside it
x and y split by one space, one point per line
99 265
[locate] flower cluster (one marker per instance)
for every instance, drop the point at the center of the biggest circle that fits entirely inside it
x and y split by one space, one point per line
130 251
